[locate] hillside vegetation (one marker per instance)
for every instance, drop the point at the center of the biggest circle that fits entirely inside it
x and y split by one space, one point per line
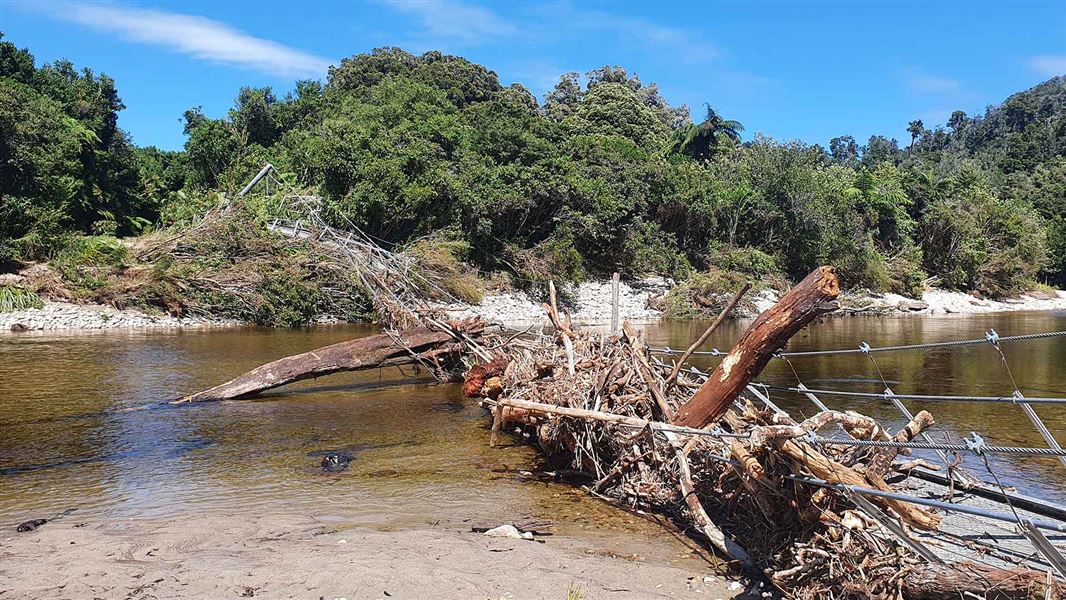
603 175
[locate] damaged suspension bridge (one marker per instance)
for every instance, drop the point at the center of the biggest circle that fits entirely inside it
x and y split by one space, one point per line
832 506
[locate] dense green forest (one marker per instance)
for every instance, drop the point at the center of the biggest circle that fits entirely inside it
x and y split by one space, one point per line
603 175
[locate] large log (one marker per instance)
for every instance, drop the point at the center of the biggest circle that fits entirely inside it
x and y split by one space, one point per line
383 350
770 332
972 580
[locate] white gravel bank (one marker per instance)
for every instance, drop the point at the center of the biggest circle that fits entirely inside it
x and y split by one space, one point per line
940 302
591 304
64 315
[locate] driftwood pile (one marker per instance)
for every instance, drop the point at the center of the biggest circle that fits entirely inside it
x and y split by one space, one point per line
650 436
653 438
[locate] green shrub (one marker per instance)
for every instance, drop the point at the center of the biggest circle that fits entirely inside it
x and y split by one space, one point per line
553 259
187 206
94 251
286 301
648 250
105 227
863 267
747 260
16 297
704 294
975 241
905 273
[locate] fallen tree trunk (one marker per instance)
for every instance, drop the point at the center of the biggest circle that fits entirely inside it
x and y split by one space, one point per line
770 332
420 344
934 582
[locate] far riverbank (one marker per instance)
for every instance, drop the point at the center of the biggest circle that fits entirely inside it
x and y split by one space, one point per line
590 303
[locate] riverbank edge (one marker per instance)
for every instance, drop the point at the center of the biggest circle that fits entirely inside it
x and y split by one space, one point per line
589 303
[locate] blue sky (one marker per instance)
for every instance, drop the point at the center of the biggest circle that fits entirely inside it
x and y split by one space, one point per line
792 70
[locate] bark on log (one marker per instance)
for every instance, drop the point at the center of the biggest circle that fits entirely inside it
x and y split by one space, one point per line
934 582
382 350
767 334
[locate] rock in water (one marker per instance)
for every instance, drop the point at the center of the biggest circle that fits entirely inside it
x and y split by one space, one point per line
31 525
913 305
336 462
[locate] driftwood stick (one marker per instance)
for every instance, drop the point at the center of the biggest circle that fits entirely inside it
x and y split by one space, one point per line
577 413
771 331
751 465
552 308
860 424
568 345
414 345
593 415
706 334
619 469
699 514
882 458
497 422
614 302
640 357
829 470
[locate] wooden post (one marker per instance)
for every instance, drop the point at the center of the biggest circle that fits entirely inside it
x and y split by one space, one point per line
614 303
770 332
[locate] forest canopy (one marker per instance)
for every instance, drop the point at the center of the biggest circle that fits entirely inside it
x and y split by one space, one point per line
603 175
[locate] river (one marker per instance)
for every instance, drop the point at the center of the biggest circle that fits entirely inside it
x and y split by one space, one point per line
82 425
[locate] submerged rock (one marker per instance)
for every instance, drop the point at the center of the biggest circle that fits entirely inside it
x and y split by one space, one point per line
336 461
31 525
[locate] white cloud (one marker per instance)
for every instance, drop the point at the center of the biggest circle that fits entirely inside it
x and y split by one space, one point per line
456 22
539 76
932 85
467 24
1048 65
686 45
935 117
198 37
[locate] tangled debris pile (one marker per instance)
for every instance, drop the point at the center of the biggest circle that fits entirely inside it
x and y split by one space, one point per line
602 404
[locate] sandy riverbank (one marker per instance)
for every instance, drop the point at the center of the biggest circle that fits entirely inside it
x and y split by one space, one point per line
275 556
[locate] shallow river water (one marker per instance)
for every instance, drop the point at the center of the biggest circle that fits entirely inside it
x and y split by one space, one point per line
75 431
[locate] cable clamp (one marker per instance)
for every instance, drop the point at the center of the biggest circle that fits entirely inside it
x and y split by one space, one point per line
864 348
667 350
975 443
1017 396
810 437
715 352
992 337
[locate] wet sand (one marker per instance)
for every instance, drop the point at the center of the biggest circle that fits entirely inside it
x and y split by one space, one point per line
273 556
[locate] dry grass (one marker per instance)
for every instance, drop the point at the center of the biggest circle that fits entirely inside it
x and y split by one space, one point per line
438 261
